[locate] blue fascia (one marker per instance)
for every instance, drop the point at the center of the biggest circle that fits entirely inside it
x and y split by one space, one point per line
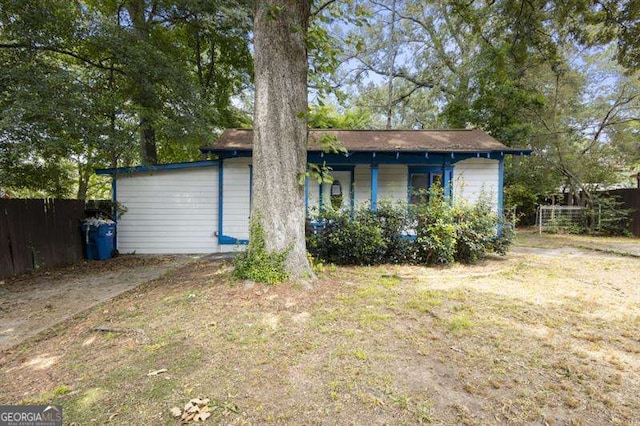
389 157
157 167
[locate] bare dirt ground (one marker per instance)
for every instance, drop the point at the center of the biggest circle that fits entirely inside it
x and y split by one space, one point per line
32 303
541 336
628 246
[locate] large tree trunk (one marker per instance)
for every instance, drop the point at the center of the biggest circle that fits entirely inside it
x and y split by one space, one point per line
84 174
145 95
280 127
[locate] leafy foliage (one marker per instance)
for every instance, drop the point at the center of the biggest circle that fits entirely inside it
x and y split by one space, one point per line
102 84
434 232
612 219
256 263
346 240
516 69
476 229
435 229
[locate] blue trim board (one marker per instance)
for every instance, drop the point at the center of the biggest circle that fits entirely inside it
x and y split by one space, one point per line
306 196
231 241
114 208
374 187
220 191
501 187
250 185
388 157
157 167
447 182
352 191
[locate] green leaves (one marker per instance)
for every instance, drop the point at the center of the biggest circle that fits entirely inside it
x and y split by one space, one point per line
321 174
80 79
256 263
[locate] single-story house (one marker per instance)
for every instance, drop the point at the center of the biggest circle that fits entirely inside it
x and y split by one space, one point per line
204 206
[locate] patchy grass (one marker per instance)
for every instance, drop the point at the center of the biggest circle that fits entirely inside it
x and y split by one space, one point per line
545 335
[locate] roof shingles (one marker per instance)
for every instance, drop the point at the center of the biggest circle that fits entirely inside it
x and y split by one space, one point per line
457 140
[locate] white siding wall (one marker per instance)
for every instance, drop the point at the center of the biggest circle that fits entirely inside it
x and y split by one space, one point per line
475 176
235 198
314 190
392 182
362 178
172 211
176 211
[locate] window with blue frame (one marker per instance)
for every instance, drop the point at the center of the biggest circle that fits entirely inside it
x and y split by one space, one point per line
423 178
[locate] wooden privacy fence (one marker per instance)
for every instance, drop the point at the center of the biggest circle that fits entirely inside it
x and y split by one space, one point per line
39 233
630 199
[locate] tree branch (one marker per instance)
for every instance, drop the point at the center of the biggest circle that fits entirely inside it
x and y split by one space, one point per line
322 7
61 51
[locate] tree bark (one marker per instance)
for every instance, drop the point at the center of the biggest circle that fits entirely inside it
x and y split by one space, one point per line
145 95
84 174
280 127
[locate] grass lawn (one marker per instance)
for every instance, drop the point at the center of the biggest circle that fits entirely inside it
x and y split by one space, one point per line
541 335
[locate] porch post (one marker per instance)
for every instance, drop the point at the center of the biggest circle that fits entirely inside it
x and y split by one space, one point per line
306 196
352 190
501 186
374 187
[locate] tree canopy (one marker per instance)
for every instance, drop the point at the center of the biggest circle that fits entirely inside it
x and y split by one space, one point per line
92 83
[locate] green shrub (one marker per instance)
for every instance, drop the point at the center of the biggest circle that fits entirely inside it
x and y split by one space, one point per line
609 218
347 240
393 221
503 240
435 229
433 232
256 264
476 228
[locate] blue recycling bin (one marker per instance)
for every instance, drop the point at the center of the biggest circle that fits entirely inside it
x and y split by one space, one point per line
98 240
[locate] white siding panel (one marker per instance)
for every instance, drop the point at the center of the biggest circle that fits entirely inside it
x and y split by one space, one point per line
235 198
474 177
171 211
392 182
362 178
313 201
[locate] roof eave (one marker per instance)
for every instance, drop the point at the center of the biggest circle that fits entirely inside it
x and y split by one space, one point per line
505 151
156 167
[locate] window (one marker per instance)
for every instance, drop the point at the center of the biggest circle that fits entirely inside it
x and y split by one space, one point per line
421 179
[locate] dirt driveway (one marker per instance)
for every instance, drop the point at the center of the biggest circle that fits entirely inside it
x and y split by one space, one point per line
30 304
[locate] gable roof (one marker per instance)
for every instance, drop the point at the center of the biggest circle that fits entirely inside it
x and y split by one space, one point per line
455 140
